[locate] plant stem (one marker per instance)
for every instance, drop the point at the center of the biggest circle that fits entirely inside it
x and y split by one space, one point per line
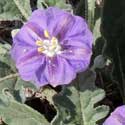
9 77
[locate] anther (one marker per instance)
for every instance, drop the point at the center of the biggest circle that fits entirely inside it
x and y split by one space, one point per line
40 49
39 43
46 34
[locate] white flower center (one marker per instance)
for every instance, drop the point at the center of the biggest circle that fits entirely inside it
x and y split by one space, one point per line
49 47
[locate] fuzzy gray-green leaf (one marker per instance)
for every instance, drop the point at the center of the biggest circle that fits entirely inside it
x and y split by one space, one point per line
9 11
14 113
5 68
76 103
24 7
14 9
58 3
96 30
91 12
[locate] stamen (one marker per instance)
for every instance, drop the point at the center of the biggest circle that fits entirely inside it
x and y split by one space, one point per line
53 47
40 49
54 40
50 47
46 34
39 43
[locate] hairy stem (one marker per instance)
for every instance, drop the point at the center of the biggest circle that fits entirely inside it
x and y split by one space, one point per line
9 77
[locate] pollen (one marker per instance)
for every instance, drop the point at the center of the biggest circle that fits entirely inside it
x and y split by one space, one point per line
40 49
49 47
46 34
39 43
54 40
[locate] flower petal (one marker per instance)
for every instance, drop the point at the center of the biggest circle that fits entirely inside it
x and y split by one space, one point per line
28 64
26 36
39 17
79 66
64 25
36 30
120 110
56 21
79 58
19 49
60 72
40 76
75 41
29 56
79 33
117 117
112 121
76 53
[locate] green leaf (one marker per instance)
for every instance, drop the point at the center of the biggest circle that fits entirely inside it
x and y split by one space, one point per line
6 71
76 103
6 58
19 89
25 84
24 7
48 93
25 122
96 30
58 3
14 113
91 12
8 83
4 68
9 11
14 9
4 48
62 4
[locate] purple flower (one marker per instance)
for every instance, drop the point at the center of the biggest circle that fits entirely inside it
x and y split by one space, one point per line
117 117
52 47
